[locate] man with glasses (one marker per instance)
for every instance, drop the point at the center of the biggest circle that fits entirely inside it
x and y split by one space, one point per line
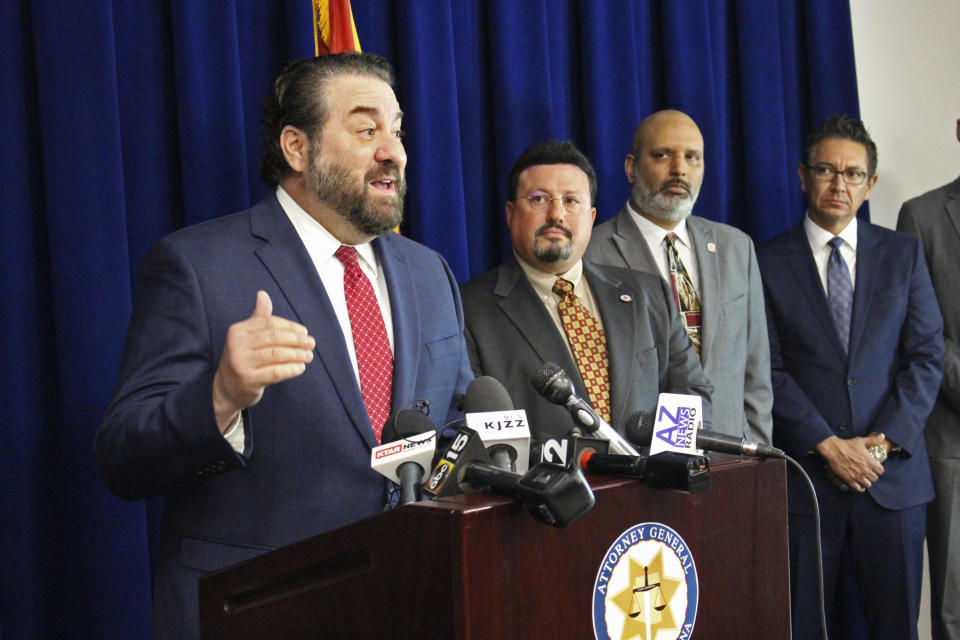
614 331
934 217
715 264
855 351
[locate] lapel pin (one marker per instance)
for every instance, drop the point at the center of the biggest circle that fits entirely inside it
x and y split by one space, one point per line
711 247
626 298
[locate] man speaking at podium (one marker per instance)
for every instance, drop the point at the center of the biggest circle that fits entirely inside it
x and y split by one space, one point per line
258 426
614 331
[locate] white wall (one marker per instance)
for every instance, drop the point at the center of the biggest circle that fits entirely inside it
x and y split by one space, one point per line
908 74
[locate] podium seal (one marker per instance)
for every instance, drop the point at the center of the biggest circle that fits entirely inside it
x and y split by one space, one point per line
646 586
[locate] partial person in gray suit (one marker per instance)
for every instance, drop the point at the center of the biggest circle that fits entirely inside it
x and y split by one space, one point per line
934 217
666 170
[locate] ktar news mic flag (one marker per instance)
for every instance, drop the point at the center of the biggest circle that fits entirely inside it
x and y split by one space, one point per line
334 30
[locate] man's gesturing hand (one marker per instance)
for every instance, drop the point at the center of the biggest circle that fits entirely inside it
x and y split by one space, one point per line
262 350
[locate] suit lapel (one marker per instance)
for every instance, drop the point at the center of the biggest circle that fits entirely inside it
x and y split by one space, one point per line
618 313
287 260
804 269
869 261
523 307
632 245
952 205
406 319
709 289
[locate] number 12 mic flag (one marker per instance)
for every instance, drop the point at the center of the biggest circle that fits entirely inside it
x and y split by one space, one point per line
334 30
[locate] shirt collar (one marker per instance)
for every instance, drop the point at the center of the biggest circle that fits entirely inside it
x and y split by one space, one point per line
314 234
543 281
819 237
654 233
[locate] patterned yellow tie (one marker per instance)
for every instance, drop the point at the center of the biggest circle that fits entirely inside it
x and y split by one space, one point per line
684 295
589 346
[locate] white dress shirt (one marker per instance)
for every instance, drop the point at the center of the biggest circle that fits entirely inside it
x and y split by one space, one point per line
655 234
818 237
321 246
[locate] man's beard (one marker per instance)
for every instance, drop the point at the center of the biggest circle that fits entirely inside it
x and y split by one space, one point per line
336 187
550 251
661 205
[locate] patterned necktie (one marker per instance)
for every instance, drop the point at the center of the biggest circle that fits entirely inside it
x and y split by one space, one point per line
684 295
589 346
839 292
374 358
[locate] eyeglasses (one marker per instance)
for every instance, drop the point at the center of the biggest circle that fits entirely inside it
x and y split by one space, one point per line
827 172
540 201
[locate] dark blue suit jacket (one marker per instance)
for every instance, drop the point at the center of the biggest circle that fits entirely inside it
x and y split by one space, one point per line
306 467
890 379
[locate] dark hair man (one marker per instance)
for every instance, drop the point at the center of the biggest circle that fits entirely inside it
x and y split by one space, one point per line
855 348
934 217
711 267
614 331
259 430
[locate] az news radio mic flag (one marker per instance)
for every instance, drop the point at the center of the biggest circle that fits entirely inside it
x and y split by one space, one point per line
333 28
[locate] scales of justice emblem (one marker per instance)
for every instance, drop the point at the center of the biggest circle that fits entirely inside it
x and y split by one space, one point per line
646 588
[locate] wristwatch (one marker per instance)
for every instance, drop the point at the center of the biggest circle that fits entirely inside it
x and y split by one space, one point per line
878 452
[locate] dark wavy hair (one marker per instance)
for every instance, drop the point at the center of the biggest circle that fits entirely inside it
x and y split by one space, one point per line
846 128
551 152
299 100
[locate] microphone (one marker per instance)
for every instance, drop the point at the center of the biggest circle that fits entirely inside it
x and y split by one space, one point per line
504 430
566 451
639 428
556 386
666 470
550 493
408 446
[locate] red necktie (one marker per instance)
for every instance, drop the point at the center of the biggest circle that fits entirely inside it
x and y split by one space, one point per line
374 358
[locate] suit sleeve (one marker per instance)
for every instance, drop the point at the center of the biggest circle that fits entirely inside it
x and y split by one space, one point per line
799 425
465 373
950 385
915 386
160 431
757 388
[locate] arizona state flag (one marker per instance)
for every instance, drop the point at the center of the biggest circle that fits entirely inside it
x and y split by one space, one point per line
333 27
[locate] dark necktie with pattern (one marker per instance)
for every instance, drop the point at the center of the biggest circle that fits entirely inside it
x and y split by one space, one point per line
684 295
374 358
589 346
839 292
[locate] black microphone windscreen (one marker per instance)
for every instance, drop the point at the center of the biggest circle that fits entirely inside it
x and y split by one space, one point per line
639 428
405 423
553 383
486 394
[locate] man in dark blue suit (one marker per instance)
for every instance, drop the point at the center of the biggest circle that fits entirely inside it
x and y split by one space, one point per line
856 347
259 430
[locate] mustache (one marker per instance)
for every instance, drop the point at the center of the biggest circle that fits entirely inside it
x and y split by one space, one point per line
683 183
555 225
387 170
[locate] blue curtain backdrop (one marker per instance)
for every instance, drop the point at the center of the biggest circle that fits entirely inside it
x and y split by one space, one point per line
122 121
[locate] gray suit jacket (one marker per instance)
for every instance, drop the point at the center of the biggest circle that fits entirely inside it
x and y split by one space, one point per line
934 217
735 352
510 334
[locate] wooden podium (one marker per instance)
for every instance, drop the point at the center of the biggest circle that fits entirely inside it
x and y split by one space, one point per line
478 566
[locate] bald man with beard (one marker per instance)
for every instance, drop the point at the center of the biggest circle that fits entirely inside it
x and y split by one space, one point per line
719 293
